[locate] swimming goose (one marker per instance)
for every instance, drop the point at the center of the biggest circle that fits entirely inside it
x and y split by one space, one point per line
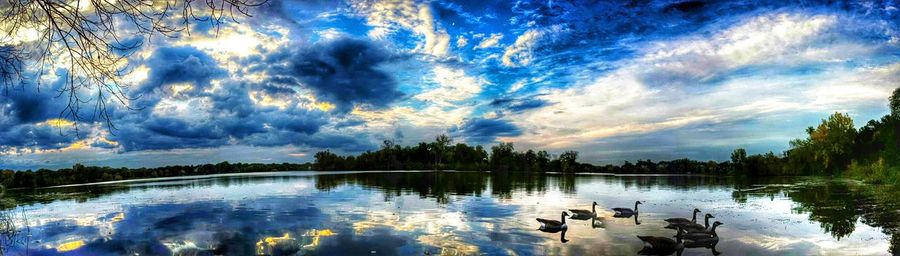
684 220
553 224
706 234
656 245
625 212
708 242
693 227
584 214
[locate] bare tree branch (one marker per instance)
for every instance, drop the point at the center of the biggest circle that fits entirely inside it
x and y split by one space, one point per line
91 40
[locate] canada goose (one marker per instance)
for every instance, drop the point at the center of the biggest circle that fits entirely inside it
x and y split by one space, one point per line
550 225
690 227
684 220
694 227
656 245
584 214
708 242
706 234
625 212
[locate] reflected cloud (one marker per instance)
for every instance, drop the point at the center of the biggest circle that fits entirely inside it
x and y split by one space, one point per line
446 213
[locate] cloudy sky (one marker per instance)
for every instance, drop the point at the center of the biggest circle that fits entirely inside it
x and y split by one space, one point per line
614 81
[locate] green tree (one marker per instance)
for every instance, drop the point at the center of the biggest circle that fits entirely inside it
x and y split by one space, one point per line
567 161
895 102
738 158
439 147
831 142
502 156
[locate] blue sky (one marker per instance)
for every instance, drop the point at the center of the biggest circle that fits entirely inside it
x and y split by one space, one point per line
615 81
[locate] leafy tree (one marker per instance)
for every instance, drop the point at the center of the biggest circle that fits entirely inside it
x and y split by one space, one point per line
439 146
567 161
502 156
738 157
895 102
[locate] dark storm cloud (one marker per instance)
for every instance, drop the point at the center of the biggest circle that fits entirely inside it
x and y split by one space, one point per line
170 65
31 103
482 130
23 108
344 72
36 137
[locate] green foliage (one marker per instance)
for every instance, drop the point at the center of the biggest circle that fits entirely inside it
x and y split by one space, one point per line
895 102
567 161
835 147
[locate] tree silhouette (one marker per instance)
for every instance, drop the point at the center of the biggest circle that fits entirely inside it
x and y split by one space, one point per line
895 102
439 146
92 40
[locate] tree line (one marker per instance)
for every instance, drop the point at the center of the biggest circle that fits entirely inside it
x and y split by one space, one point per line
80 174
441 154
834 147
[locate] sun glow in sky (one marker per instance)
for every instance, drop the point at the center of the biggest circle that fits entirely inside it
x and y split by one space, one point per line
612 80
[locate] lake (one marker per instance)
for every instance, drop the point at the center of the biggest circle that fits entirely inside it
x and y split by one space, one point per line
447 213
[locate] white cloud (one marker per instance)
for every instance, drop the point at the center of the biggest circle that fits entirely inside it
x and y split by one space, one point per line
520 52
454 87
781 38
417 17
491 41
630 101
461 41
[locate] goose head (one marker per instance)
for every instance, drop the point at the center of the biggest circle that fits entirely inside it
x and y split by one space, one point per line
595 204
717 223
696 210
710 216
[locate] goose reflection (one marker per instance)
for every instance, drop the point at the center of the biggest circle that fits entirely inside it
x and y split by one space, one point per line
562 233
709 243
657 245
598 222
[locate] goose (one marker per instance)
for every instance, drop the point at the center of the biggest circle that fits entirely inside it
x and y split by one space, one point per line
656 245
694 227
706 234
549 225
691 226
684 220
584 214
625 212
708 242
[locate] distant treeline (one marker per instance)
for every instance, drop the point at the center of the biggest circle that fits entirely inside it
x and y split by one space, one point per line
80 174
503 157
834 147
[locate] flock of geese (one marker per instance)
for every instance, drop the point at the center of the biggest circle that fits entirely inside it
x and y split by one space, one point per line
689 233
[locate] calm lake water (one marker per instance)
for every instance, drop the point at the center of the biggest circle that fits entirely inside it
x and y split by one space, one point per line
448 213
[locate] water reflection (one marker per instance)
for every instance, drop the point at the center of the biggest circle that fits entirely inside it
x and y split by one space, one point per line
451 213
